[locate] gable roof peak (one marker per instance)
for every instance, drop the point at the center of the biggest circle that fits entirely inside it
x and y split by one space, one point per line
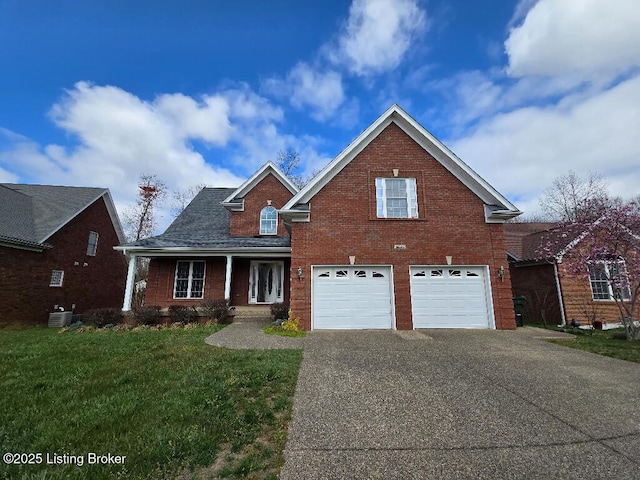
498 209
51 207
235 200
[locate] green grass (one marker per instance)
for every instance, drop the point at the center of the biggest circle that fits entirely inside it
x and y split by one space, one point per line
610 343
277 330
173 405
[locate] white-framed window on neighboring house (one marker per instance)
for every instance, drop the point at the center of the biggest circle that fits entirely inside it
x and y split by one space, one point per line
396 198
92 245
189 281
57 276
608 279
268 221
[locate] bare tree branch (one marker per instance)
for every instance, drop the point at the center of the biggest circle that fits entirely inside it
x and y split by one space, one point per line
182 198
139 220
289 162
563 199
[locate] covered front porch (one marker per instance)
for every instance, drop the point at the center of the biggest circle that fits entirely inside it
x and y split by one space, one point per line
189 278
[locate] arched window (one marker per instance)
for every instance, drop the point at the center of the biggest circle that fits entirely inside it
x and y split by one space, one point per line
268 221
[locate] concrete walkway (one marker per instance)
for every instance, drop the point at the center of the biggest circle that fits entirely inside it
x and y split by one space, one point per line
461 404
248 335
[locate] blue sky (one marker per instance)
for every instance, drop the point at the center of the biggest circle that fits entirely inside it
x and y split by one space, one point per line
96 93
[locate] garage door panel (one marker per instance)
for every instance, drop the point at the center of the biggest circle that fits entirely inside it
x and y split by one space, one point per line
449 297
352 297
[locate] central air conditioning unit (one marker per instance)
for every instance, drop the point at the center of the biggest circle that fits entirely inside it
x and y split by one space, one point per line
60 319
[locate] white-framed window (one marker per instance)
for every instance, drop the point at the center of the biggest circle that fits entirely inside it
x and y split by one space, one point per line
608 279
396 198
92 246
189 279
268 221
57 276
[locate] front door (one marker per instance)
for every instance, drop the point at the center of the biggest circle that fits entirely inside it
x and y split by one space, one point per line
266 281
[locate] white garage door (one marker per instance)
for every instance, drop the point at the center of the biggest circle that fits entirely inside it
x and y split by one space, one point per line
352 297
449 297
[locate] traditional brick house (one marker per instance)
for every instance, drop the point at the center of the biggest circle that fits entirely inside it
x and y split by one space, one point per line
395 232
548 286
56 249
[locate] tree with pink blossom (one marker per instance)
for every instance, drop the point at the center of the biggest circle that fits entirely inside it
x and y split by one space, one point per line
602 242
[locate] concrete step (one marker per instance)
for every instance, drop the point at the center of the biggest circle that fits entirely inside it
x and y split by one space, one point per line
252 312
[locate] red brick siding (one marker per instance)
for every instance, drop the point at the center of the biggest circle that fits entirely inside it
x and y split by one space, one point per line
161 277
240 279
247 223
538 285
240 282
451 222
24 276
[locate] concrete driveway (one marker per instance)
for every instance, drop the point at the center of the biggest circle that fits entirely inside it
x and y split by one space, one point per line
461 404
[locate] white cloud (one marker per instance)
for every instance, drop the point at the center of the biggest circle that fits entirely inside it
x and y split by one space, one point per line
309 88
520 152
247 106
256 137
322 91
377 35
473 93
119 136
584 39
7 177
208 120
374 40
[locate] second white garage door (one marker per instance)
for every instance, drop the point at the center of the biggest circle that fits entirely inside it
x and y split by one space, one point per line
449 297
352 297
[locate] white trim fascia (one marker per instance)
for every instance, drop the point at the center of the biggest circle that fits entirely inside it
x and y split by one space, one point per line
489 292
560 255
234 206
256 178
115 218
499 216
452 162
295 215
204 252
426 140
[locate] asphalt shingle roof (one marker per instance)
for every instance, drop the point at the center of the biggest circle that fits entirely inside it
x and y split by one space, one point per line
205 223
516 233
16 216
32 213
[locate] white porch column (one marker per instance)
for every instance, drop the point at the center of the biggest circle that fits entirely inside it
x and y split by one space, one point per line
227 279
128 290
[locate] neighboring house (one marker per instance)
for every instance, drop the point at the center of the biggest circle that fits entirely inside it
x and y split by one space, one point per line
548 286
56 249
395 232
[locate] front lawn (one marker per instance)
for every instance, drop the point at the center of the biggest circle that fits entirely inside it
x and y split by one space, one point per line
174 406
611 343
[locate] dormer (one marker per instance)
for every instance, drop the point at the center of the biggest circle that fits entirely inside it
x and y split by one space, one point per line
254 205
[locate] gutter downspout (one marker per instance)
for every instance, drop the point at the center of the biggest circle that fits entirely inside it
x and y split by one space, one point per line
559 290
